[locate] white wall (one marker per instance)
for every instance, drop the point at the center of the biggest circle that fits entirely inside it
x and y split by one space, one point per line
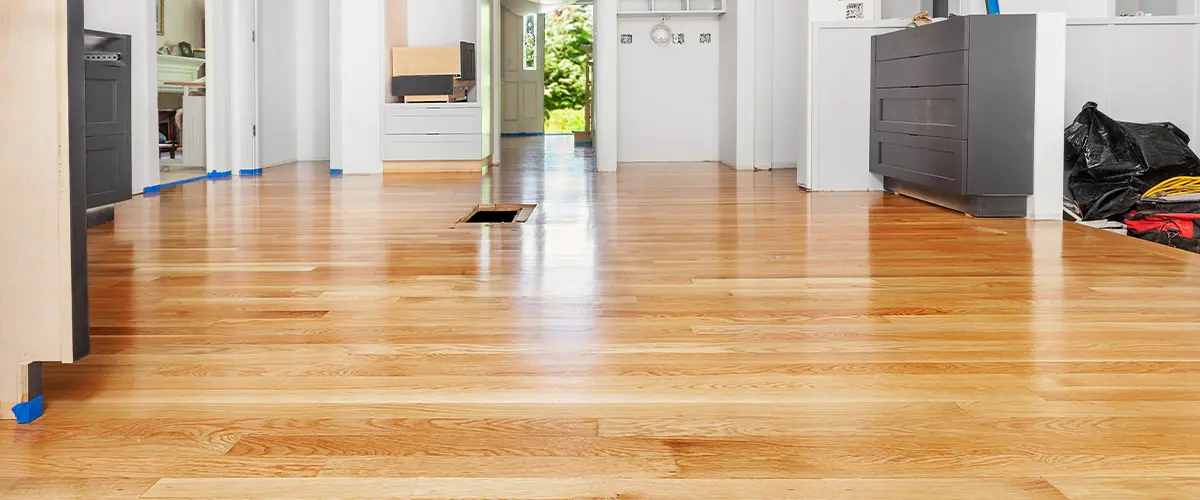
277 86
442 22
727 86
135 18
668 108
312 79
184 22
1136 72
903 9
1157 7
764 82
790 27
357 91
1072 8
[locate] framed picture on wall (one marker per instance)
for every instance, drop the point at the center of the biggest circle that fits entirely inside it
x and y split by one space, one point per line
160 16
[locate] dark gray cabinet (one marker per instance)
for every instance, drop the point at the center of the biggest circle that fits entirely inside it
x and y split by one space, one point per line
952 112
107 110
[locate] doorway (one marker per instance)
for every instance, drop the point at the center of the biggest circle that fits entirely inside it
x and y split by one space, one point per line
523 46
182 92
206 94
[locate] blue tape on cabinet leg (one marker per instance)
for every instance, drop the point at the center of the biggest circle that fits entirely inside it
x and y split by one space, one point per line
28 412
250 171
335 171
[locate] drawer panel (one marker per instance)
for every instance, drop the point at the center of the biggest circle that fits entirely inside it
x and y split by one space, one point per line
929 161
432 147
431 120
946 68
929 111
945 36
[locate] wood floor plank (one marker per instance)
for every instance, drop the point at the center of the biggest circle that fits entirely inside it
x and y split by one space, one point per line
1102 488
677 331
1022 489
502 466
77 489
284 489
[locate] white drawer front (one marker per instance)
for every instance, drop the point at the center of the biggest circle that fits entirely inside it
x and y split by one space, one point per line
431 120
432 147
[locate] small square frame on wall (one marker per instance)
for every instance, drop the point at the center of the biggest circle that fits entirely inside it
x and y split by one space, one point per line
160 16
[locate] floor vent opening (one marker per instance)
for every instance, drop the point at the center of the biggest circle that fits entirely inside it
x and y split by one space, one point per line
498 214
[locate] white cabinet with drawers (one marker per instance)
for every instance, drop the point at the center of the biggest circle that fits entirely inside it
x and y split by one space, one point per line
432 132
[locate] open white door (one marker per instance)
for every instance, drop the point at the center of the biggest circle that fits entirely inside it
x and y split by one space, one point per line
523 40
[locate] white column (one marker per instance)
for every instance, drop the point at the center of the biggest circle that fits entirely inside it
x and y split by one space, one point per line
1050 83
747 91
764 83
357 90
605 44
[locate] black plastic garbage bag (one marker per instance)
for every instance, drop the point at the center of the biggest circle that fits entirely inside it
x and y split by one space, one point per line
1112 163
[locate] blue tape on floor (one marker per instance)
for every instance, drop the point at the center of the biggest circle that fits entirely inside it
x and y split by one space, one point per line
159 187
220 175
335 171
28 412
250 171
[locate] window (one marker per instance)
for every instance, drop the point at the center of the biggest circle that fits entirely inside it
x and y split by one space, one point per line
530 42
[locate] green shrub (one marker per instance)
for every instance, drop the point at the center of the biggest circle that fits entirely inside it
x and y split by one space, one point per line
568 32
562 121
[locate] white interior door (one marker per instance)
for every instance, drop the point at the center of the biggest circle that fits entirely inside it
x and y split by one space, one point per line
523 45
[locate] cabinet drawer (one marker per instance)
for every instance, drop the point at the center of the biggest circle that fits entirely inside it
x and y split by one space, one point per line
929 111
945 36
432 147
946 68
929 161
407 119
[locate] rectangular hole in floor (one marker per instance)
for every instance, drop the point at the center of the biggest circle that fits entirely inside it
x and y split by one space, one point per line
492 216
498 214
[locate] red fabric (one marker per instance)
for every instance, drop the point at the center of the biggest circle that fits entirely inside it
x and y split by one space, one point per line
1184 224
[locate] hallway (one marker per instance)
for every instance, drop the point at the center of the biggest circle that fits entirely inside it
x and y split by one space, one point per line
668 331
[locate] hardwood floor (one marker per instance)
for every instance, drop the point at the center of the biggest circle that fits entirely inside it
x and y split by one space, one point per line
676 331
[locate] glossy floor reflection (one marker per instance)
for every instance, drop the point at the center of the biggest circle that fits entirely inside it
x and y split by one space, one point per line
670 331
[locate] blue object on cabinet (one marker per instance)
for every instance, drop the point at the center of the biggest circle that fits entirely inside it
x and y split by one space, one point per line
993 6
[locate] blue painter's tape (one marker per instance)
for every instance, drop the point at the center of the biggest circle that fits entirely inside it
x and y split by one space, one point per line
993 6
522 134
28 412
220 175
335 171
250 171
159 187
583 143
